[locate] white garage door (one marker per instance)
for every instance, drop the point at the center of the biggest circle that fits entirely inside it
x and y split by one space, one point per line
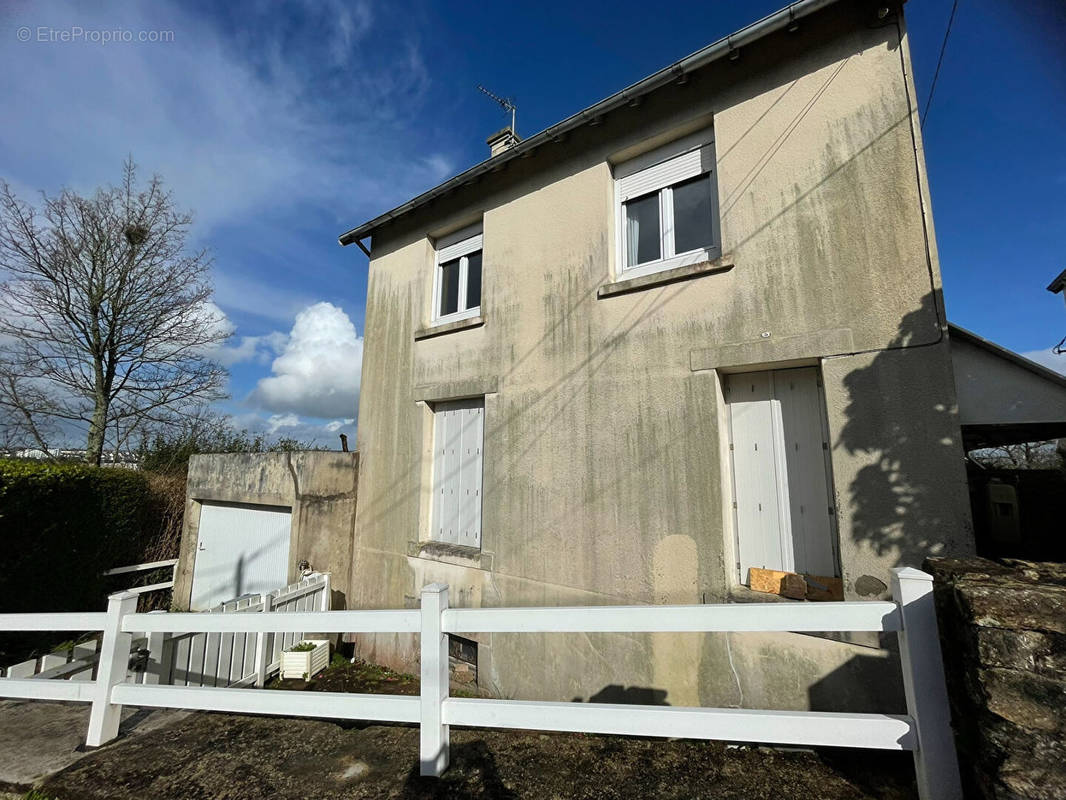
242 549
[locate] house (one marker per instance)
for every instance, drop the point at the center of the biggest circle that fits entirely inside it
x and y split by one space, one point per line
695 328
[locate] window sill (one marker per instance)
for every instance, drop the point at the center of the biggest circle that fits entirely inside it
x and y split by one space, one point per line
449 327
662 278
455 554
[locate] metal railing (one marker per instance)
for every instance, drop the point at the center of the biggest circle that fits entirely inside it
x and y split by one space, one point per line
925 729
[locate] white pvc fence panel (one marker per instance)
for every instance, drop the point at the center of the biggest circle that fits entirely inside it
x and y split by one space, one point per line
234 658
925 729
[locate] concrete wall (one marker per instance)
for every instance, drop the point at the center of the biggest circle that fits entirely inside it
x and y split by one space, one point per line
606 474
319 487
994 390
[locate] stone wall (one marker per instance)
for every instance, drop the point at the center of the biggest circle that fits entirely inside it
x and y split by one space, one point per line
1003 627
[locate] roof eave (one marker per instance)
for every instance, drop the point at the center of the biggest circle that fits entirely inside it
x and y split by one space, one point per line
746 35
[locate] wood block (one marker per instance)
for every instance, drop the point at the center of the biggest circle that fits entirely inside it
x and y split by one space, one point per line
772 581
820 587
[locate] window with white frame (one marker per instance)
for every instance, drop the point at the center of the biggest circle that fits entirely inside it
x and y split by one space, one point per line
668 207
457 282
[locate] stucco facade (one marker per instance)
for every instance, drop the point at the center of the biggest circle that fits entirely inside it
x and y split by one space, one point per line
606 476
317 486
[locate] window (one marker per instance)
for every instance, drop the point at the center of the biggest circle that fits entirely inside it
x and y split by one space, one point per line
668 207
458 438
457 285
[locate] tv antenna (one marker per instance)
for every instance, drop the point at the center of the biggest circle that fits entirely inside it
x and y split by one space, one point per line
506 103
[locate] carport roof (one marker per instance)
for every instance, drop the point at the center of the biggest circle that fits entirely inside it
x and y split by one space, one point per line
1004 398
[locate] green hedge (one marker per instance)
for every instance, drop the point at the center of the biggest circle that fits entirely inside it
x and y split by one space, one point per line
61 525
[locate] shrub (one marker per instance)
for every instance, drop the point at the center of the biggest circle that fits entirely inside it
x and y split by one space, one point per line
62 525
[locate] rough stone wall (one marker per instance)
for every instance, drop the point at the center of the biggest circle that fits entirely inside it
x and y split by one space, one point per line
1003 626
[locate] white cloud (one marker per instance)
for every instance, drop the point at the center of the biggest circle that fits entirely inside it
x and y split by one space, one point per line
278 421
1049 359
224 110
252 349
317 374
259 299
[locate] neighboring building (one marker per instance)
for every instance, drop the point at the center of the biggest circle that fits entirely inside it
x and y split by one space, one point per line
695 328
254 522
1059 284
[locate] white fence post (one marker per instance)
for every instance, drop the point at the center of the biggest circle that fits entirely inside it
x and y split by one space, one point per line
157 671
325 604
935 761
433 733
261 660
114 660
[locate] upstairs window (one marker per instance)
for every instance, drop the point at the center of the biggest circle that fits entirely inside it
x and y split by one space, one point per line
668 207
457 283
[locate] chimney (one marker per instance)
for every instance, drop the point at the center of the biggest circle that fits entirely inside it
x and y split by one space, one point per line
503 139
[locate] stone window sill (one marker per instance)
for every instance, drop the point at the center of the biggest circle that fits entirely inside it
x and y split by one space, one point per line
455 554
662 278
449 327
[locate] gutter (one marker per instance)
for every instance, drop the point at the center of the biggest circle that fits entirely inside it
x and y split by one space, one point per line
728 46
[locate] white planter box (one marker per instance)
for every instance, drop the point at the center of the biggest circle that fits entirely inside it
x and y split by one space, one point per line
304 665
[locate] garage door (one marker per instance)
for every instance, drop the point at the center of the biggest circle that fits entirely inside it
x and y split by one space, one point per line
242 549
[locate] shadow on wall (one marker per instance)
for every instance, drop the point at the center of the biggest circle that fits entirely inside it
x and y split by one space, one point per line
628 695
909 499
863 684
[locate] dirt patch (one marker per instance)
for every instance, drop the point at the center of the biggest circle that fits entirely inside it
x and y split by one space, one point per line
357 676
231 757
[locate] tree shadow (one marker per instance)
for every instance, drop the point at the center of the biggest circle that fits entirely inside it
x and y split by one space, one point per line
628 695
909 498
472 773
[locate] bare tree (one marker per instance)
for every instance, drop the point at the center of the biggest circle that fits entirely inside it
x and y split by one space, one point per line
105 322
1025 455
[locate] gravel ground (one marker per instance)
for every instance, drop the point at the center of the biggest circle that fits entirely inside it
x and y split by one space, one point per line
232 757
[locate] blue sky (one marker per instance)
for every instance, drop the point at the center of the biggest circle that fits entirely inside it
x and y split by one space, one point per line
284 124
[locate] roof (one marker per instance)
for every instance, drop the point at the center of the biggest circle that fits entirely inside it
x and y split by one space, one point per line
1058 284
723 47
1007 399
969 336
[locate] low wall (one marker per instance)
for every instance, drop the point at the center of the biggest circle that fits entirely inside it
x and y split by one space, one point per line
1003 627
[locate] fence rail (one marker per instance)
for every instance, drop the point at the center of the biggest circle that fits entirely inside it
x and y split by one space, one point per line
925 729
147 567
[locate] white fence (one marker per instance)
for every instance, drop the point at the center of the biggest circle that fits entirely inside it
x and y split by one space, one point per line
234 658
925 729
147 567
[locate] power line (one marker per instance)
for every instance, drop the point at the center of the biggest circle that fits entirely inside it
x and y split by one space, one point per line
939 61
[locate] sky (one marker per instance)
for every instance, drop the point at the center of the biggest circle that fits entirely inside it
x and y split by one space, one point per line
283 124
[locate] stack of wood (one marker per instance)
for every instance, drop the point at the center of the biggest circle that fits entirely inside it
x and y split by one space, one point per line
795 585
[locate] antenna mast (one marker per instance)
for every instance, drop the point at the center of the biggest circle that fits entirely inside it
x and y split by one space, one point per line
506 103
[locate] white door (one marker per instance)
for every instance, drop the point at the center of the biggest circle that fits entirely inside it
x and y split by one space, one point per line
458 438
242 549
784 513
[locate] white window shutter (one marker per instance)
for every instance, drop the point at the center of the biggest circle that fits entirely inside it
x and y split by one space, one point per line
458 441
